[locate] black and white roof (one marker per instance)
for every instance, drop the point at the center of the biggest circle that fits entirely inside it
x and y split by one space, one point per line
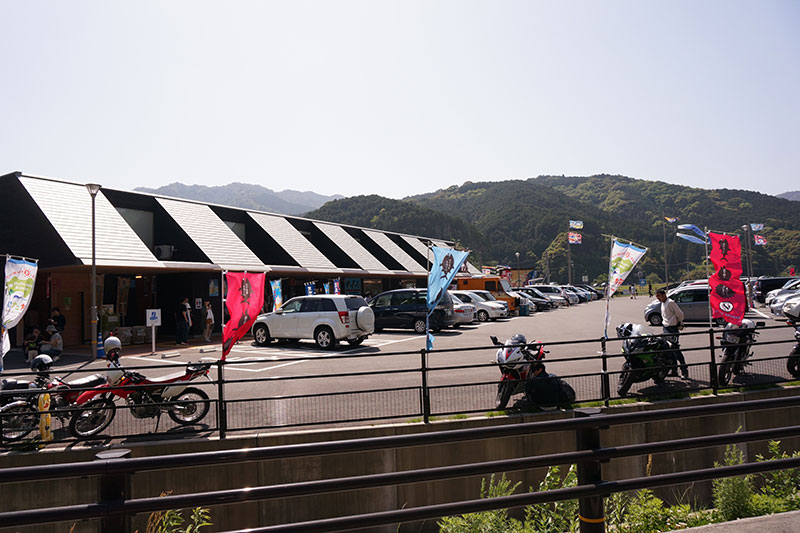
52 220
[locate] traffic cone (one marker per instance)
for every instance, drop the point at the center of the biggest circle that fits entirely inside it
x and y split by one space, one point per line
101 353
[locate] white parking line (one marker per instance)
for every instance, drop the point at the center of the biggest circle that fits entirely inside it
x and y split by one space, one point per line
759 312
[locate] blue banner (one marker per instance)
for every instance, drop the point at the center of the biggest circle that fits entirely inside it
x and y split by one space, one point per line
446 264
311 288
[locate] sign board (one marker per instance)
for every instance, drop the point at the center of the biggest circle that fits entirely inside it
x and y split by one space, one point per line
585 278
642 282
153 317
352 286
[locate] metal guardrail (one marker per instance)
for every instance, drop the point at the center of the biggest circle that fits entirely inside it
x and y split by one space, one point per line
115 507
423 398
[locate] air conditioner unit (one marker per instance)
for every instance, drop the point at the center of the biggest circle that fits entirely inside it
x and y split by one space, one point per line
164 251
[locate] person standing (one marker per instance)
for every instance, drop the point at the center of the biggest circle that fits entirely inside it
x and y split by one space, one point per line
650 289
58 320
209 321
672 323
182 322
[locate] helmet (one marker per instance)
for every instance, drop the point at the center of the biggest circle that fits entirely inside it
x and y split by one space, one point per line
792 309
625 330
41 363
112 347
519 338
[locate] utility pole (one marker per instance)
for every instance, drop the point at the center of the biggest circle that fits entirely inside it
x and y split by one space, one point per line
666 263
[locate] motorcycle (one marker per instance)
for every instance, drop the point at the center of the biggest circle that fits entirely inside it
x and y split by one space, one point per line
514 357
145 397
19 408
793 364
646 357
736 343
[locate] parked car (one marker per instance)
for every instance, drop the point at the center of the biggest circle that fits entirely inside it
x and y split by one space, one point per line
583 295
407 308
776 303
524 299
557 291
484 309
765 284
541 302
464 312
489 297
556 300
788 287
692 299
325 318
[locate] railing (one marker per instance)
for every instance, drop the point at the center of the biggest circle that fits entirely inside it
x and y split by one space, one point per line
115 507
426 385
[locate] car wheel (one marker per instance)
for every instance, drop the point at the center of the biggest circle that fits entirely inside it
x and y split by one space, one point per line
324 338
483 316
419 326
356 341
655 319
261 334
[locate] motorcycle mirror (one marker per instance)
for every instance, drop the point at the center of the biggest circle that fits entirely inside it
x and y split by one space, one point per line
760 324
494 340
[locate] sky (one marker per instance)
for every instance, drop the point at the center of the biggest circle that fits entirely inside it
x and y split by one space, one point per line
401 98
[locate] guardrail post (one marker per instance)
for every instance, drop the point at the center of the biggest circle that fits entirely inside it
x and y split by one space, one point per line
712 369
426 396
606 382
222 410
591 511
114 489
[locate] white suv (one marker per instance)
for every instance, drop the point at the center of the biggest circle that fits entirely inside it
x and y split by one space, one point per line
326 318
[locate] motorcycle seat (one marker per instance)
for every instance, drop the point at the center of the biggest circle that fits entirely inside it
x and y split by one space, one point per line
89 381
13 384
168 377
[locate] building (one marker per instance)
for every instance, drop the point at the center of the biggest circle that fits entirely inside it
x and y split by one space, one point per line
151 251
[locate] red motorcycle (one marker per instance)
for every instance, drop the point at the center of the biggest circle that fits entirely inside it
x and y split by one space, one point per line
514 357
145 397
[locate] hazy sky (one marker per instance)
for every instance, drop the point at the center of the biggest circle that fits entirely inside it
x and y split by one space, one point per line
399 98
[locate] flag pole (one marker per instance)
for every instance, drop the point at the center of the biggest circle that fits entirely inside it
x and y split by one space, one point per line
666 261
708 280
608 288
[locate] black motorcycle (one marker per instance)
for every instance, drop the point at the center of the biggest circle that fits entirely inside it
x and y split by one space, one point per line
646 357
793 364
736 343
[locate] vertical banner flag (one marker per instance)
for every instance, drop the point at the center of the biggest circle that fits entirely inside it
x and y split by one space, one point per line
311 288
671 220
445 265
759 240
337 289
621 263
244 301
727 297
327 287
20 280
576 224
756 227
277 293
574 238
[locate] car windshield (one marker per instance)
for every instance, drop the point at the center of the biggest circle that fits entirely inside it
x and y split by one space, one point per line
455 299
476 297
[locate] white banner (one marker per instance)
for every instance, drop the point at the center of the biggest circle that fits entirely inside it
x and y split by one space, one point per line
623 259
20 280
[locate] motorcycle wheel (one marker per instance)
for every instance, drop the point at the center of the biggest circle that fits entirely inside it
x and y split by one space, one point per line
725 371
504 391
18 422
793 366
93 418
193 410
625 379
661 376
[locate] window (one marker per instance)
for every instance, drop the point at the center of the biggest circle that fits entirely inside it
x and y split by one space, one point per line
403 298
384 300
310 305
491 286
354 304
700 296
327 304
465 298
292 306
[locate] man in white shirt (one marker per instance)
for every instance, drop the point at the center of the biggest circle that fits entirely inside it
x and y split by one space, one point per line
672 322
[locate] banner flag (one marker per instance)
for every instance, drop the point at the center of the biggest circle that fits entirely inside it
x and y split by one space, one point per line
444 267
311 288
757 227
575 238
337 287
759 240
277 293
18 290
691 238
727 298
244 301
622 261
576 224
671 220
327 287
700 233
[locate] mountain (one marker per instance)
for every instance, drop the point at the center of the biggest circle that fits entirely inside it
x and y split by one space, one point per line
248 196
791 195
531 217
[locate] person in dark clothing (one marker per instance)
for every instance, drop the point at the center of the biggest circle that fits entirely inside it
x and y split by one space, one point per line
547 390
182 322
58 320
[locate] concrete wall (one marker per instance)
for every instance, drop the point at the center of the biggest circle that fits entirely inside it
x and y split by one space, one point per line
180 481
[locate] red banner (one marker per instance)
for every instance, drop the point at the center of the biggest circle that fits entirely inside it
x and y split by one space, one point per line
727 291
244 301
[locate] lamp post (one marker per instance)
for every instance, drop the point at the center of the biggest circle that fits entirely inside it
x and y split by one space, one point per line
93 189
518 284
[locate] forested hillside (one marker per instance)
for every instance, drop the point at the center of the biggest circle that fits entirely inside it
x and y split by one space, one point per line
497 219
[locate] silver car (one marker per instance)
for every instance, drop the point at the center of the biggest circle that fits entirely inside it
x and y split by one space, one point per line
484 309
692 299
776 303
464 312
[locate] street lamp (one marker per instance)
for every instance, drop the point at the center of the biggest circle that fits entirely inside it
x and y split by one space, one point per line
518 283
93 189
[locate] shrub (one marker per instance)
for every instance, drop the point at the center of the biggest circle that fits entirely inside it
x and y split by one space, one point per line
780 483
486 521
733 495
555 517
